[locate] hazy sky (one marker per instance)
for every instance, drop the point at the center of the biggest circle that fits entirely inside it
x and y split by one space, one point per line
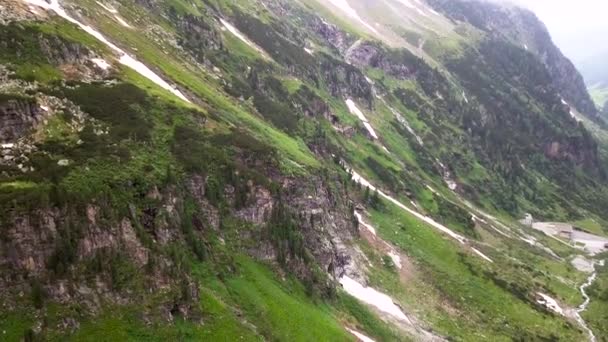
579 27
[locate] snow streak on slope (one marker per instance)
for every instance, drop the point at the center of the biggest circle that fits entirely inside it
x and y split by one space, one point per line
372 297
550 303
242 37
485 257
101 63
115 13
386 247
359 335
345 7
358 179
367 226
125 59
352 107
403 121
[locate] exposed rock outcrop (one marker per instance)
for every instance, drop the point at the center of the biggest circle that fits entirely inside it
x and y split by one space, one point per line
198 36
368 54
18 115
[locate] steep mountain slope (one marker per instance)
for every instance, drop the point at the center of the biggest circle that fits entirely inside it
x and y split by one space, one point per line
293 170
523 28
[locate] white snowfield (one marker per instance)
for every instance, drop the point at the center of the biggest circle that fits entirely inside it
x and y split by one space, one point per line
359 336
101 63
228 26
352 107
396 259
345 7
550 303
374 298
124 59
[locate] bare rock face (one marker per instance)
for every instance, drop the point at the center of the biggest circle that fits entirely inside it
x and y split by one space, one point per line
331 33
28 243
198 36
575 150
260 209
58 51
345 80
18 115
367 54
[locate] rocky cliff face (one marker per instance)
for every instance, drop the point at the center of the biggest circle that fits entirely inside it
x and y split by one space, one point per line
18 116
64 242
524 29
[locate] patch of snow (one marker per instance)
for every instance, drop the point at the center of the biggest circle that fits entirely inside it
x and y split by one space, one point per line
115 12
101 63
352 107
122 22
309 51
396 259
427 7
526 47
8 146
530 240
125 59
373 297
242 37
33 10
359 336
107 7
475 218
407 3
464 96
44 108
63 162
345 7
451 184
447 176
483 256
550 303
367 226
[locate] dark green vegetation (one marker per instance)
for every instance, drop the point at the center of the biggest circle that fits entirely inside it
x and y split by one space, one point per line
231 217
